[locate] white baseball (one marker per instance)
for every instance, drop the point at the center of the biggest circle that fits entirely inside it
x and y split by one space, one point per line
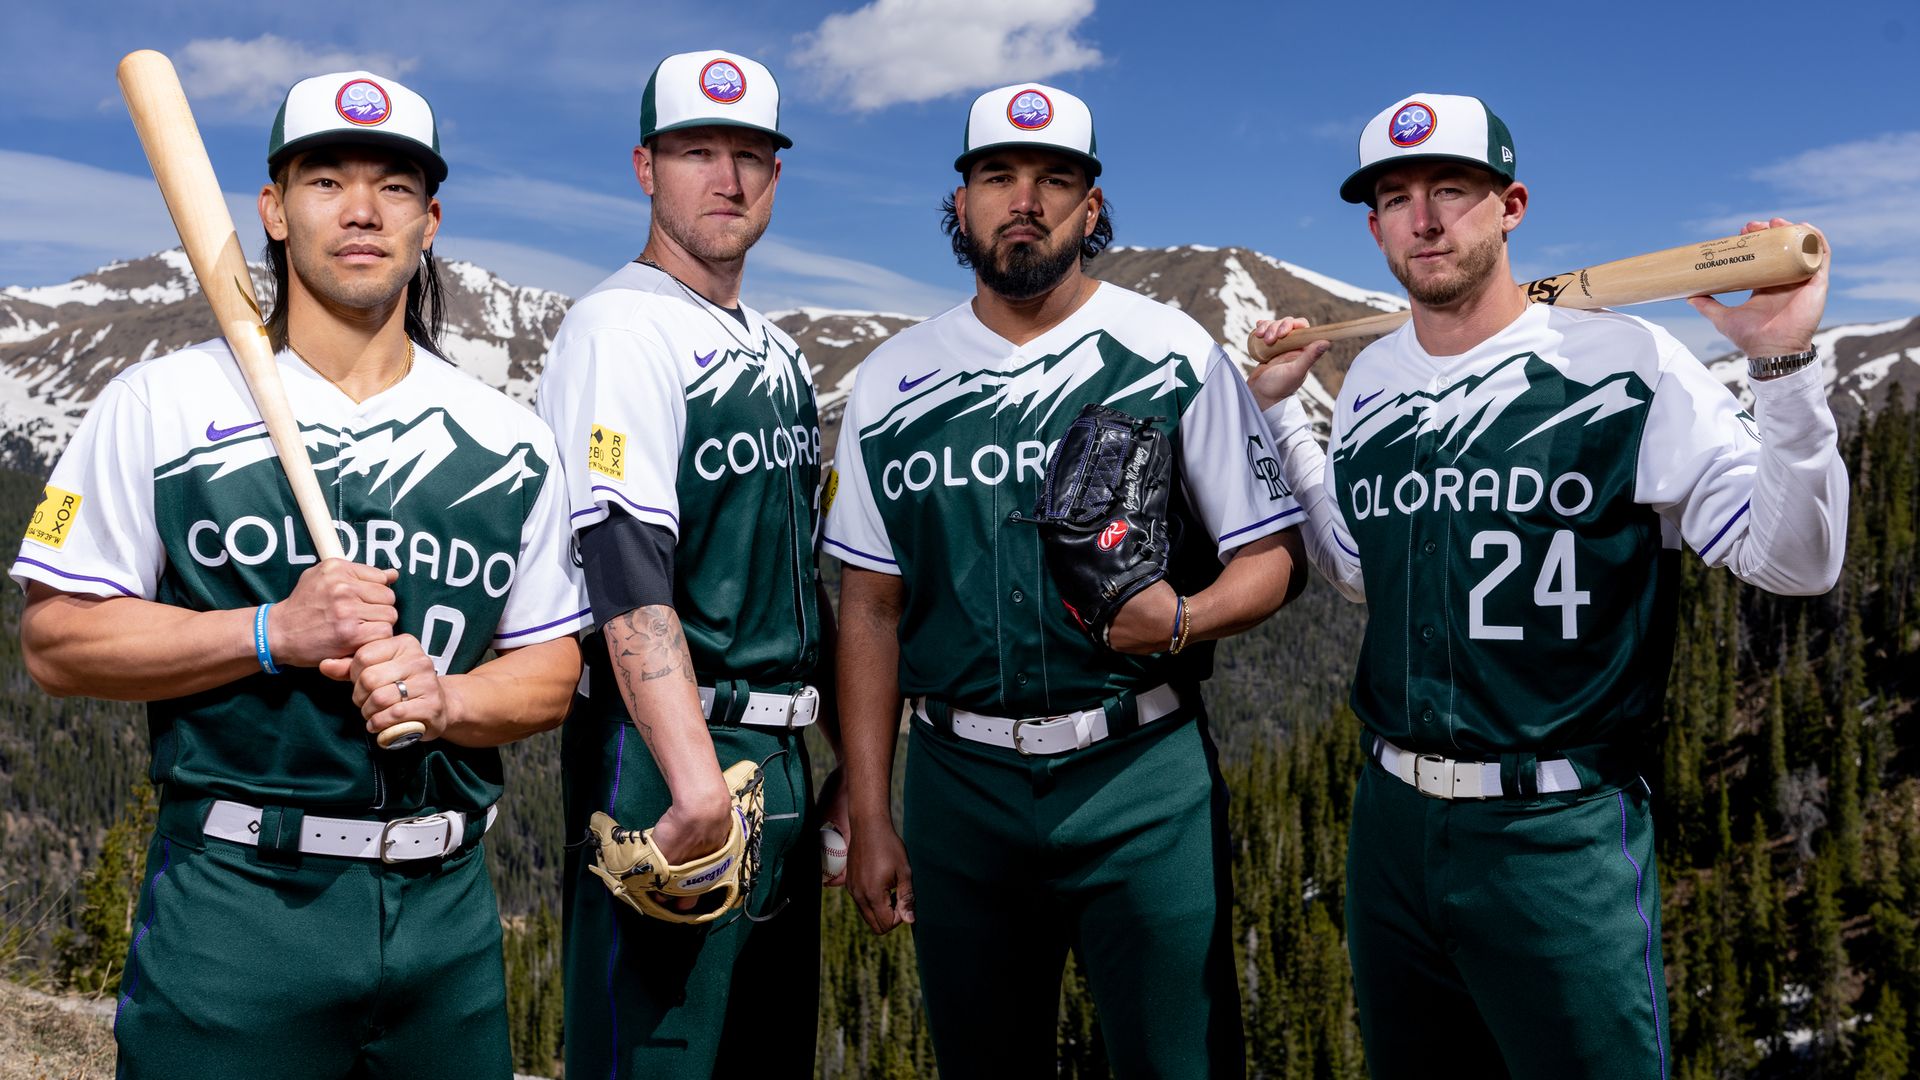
833 851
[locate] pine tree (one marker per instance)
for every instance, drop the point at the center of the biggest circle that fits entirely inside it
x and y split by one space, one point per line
93 955
1828 977
1884 1052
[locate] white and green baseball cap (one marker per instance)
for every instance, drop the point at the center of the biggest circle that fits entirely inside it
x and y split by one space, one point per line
356 107
1444 126
704 89
1029 114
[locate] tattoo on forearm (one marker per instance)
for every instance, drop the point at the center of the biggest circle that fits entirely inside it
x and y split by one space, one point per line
646 644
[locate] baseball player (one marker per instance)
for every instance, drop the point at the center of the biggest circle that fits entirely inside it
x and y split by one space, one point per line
1059 794
1516 481
314 905
692 464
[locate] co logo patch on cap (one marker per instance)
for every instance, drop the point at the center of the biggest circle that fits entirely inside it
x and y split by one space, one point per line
363 102
722 81
1030 110
1412 125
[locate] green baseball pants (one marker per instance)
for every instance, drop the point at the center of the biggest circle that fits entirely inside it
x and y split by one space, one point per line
648 998
248 962
1118 852
1510 937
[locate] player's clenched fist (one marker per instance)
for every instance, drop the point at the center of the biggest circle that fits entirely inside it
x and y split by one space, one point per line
393 681
334 609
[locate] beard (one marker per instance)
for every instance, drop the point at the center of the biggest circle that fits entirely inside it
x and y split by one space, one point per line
1020 271
1476 264
710 245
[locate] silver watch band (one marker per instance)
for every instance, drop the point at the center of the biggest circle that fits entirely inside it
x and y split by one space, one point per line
1772 367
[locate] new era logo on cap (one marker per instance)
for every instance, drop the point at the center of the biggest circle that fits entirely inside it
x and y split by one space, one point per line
712 87
1444 126
1029 114
356 107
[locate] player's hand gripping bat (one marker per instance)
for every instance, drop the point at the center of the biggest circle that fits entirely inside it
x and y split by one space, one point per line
180 165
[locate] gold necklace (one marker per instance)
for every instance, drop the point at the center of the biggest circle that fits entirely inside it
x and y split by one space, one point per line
395 381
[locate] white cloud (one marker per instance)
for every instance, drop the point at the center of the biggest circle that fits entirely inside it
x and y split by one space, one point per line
1861 194
901 51
59 218
245 76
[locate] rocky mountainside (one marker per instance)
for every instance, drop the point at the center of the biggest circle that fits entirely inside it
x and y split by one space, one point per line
59 344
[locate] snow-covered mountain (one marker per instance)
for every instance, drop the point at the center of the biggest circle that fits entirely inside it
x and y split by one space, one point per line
1863 361
60 344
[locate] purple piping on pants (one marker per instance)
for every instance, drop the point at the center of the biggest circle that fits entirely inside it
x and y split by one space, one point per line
133 959
613 915
1638 879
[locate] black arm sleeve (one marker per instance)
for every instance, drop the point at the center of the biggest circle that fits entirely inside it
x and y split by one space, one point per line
628 563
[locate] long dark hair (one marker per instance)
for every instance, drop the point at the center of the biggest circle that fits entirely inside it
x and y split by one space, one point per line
426 301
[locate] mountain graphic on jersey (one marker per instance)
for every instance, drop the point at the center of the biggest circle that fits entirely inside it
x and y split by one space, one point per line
421 496
772 371
1095 367
1496 415
395 457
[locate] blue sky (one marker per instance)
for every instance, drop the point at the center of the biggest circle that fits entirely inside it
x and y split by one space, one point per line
1637 126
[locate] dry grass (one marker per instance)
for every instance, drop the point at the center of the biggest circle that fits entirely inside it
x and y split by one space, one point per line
53 1038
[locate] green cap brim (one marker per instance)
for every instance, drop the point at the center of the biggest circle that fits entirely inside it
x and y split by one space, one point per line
1358 188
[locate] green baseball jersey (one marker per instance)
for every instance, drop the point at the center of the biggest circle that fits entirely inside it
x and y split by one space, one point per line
1519 510
679 414
170 491
948 431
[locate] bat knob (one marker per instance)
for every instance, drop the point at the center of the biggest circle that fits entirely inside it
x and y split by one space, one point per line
400 736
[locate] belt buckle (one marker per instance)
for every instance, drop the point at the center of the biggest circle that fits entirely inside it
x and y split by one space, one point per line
386 842
1017 748
793 703
1443 780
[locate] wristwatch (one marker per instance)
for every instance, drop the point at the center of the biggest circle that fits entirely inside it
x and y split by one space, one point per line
1772 367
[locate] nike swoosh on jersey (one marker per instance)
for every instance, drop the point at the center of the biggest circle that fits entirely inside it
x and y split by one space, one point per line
907 384
215 434
1361 403
703 361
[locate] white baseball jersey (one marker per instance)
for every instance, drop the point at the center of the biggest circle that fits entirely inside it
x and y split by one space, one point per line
170 491
1511 506
948 431
672 410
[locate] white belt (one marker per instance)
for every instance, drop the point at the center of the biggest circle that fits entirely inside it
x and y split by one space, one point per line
1444 778
1052 734
402 840
772 710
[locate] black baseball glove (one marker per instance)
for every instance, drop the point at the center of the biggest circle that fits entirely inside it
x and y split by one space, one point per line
1103 513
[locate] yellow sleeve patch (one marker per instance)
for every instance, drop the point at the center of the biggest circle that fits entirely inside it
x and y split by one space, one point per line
828 490
607 452
53 520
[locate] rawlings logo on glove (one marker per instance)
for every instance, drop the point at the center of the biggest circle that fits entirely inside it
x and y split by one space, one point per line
636 872
1103 513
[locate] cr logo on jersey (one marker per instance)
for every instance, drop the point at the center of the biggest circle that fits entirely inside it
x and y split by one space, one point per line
363 102
1266 469
722 81
1030 110
1412 125
1111 536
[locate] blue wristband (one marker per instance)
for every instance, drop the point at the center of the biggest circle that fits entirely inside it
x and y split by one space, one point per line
260 640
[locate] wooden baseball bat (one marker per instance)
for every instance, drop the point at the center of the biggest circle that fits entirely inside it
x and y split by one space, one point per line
1783 255
181 167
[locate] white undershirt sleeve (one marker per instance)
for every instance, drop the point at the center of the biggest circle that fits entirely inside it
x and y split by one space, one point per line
1766 499
1303 462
